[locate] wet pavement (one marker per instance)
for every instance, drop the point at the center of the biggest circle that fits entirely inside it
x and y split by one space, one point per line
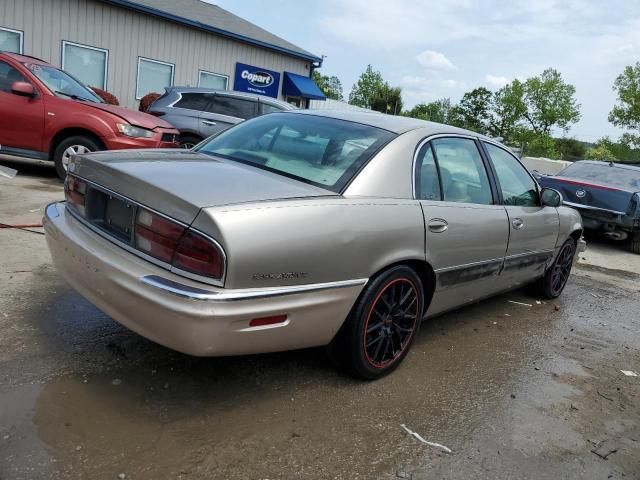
513 391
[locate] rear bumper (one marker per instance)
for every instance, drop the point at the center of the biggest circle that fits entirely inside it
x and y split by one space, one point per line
180 313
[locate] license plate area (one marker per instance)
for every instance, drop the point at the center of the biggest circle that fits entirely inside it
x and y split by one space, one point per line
111 214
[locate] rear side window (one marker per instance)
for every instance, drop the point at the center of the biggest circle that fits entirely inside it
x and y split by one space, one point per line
193 101
9 75
427 181
266 108
233 107
321 151
517 186
464 177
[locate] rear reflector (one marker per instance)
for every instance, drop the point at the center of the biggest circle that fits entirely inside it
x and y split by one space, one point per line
261 322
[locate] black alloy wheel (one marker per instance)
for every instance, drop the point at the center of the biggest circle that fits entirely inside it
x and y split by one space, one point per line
382 325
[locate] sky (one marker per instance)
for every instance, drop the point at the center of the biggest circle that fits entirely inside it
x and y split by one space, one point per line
444 48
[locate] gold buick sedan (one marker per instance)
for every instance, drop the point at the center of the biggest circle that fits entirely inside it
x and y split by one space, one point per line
307 228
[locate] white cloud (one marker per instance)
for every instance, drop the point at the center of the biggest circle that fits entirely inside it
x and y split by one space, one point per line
496 81
434 61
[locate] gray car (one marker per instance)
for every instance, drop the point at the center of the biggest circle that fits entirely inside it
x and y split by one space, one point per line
199 113
301 229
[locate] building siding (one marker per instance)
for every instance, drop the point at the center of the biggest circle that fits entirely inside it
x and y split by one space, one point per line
127 35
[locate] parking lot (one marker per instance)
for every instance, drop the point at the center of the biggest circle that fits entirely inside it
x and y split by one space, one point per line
530 389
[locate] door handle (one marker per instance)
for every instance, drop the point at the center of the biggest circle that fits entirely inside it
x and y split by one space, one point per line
438 225
208 122
517 223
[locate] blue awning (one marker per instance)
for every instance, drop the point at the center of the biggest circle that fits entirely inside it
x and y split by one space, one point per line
300 86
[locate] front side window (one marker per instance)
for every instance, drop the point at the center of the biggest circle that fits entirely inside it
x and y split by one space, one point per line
427 181
11 40
87 64
153 76
464 177
212 80
62 84
321 151
8 76
233 107
518 188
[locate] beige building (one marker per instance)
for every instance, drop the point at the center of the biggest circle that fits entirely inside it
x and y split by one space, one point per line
131 48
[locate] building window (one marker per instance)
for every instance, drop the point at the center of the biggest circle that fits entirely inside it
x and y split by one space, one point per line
212 80
87 64
153 76
11 40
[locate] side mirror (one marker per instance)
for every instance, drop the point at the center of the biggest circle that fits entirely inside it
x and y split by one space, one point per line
23 89
551 198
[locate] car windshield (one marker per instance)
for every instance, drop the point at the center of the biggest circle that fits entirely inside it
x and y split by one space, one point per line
605 174
62 84
318 150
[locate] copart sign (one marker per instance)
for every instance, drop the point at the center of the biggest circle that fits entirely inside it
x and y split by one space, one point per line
258 80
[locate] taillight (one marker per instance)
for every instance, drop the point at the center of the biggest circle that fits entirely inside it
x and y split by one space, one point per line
75 191
156 235
175 244
197 254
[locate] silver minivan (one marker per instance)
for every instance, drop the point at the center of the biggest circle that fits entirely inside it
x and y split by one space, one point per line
199 113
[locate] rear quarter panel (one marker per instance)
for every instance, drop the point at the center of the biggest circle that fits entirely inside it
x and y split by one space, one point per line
295 242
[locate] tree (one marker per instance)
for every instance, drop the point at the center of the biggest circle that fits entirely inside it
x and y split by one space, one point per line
600 152
364 89
330 86
387 99
506 110
440 111
474 109
550 102
570 149
626 112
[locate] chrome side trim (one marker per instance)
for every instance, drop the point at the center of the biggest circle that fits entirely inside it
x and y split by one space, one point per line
467 265
193 293
589 207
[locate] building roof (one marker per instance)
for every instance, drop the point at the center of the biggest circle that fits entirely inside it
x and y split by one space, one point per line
213 19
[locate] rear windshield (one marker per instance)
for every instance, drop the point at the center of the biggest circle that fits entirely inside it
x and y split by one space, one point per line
604 174
321 151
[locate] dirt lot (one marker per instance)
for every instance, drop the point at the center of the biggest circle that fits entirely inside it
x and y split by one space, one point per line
513 391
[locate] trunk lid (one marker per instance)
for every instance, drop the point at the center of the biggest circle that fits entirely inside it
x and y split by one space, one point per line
590 194
179 183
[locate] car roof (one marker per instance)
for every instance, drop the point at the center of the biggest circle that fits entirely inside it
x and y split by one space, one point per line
231 93
624 166
24 58
393 123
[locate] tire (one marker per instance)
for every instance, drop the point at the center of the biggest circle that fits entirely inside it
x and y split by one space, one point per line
634 243
71 146
555 278
382 325
189 141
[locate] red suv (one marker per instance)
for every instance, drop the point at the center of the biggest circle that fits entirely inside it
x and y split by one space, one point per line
47 114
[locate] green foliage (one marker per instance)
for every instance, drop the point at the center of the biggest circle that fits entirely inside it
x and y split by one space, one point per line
550 102
330 86
365 88
624 152
440 111
600 152
474 109
570 149
626 112
506 110
387 99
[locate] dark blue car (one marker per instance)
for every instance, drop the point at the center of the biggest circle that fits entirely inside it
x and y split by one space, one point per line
607 195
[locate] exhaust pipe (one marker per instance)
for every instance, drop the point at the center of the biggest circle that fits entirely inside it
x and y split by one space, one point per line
617 235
